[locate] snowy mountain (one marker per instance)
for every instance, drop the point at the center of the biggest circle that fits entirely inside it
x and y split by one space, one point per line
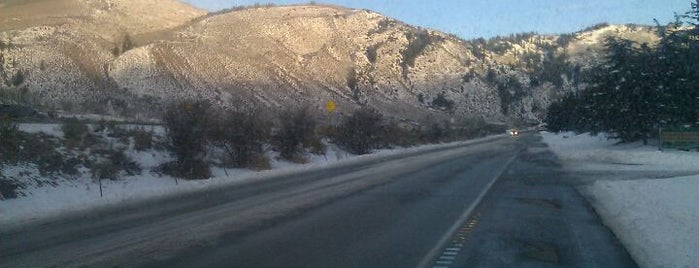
130 57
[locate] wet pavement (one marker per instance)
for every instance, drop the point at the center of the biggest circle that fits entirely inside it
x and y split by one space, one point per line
534 217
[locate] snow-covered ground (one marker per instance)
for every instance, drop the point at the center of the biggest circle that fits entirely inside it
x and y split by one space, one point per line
40 200
656 219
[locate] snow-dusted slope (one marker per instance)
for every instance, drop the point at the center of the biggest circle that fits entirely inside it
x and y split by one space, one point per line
273 56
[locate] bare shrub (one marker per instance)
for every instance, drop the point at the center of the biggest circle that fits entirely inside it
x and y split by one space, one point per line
114 163
472 128
194 169
39 149
187 125
242 134
8 188
359 133
10 139
105 170
143 139
296 132
393 134
435 133
74 131
260 162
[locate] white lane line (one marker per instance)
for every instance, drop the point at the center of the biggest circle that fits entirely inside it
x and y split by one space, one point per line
432 254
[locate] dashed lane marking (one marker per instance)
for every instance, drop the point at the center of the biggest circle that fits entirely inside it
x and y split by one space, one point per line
457 234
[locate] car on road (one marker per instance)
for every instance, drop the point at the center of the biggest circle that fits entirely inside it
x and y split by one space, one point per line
513 132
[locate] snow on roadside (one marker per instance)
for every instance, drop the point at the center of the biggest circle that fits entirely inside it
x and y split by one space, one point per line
656 219
600 150
48 129
46 201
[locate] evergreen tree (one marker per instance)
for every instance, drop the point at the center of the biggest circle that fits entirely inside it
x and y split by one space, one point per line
639 88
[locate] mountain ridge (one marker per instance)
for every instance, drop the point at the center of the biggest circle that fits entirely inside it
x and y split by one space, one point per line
300 55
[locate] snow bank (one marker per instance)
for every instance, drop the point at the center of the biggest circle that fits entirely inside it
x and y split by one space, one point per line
657 220
48 129
592 150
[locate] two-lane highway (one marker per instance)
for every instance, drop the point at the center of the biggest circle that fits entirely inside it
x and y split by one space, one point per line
395 224
391 212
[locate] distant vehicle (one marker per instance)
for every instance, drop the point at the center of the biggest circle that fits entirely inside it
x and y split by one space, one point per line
513 132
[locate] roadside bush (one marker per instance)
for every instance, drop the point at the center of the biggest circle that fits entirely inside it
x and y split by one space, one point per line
392 134
9 139
435 133
114 162
242 134
17 146
143 139
359 133
470 128
123 162
296 132
8 188
186 124
259 162
105 170
74 131
53 162
40 150
193 169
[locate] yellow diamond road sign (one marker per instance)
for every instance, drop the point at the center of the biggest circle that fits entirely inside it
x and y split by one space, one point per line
330 105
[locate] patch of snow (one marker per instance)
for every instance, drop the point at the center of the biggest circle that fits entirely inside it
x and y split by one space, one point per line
150 158
48 129
100 117
597 151
656 219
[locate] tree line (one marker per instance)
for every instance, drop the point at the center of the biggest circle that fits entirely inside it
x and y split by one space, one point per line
638 88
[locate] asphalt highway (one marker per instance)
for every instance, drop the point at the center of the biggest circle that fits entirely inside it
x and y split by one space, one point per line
398 211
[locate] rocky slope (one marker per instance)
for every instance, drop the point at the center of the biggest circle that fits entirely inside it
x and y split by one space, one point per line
121 56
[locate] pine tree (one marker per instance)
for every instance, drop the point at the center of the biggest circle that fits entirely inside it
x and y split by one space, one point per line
639 88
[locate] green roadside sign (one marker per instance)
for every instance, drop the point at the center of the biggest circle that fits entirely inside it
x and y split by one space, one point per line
679 138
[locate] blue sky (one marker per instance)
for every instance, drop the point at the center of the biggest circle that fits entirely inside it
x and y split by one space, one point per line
488 18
